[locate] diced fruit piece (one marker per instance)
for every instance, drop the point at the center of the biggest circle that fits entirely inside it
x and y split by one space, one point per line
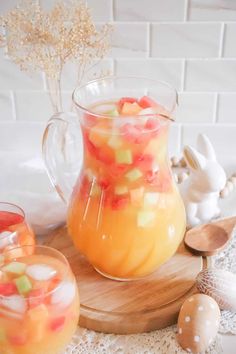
144 161
125 99
98 135
15 303
164 182
40 272
36 297
146 218
119 202
106 155
152 124
146 102
2 334
120 190
152 177
5 239
104 183
133 174
15 268
113 113
131 132
23 284
124 156
7 289
136 196
130 109
117 170
8 218
38 314
57 324
151 198
64 294
18 339
115 142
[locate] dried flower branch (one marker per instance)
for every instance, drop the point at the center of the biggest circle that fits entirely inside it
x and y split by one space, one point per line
45 41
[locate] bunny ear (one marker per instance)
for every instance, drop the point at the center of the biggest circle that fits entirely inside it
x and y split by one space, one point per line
205 147
194 159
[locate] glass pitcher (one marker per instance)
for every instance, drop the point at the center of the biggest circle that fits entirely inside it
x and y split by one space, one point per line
125 213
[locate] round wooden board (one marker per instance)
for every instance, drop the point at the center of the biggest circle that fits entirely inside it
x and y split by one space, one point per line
136 306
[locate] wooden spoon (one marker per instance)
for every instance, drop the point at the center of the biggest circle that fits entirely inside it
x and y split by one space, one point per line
209 239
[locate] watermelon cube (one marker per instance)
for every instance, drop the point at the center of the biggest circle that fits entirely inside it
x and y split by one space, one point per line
117 170
23 284
131 133
57 324
144 161
18 340
120 190
36 297
136 196
124 157
133 174
15 268
7 289
145 218
120 202
146 102
125 99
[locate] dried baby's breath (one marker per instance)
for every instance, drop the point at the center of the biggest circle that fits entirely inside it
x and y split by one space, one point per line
38 40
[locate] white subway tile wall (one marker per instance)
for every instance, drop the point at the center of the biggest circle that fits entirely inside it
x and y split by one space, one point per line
188 43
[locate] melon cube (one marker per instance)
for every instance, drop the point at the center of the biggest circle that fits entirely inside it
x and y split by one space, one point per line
130 108
124 156
15 268
133 174
151 198
98 134
120 190
2 334
146 218
37 320
23 284
38 313
115 142
136 195
113 113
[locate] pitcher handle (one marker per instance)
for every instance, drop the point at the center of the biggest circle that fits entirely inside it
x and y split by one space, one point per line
62 152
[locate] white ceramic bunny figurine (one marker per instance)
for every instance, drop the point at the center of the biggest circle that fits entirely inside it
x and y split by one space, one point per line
201 190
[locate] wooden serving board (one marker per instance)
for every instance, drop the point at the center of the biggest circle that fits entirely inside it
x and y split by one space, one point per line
136 306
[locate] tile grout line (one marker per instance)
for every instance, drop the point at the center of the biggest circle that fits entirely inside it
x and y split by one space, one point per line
186 8
182 85
221 42
112 11
13 102
149 38
215 108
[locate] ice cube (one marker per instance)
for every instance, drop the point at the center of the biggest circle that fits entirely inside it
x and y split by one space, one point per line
40 272
15 303
64 294
6 239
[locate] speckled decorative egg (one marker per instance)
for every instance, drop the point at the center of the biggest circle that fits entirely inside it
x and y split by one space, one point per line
219 284
198 323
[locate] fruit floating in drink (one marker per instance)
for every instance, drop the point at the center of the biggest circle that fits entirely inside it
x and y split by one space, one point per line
39 303
125 213
14 230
